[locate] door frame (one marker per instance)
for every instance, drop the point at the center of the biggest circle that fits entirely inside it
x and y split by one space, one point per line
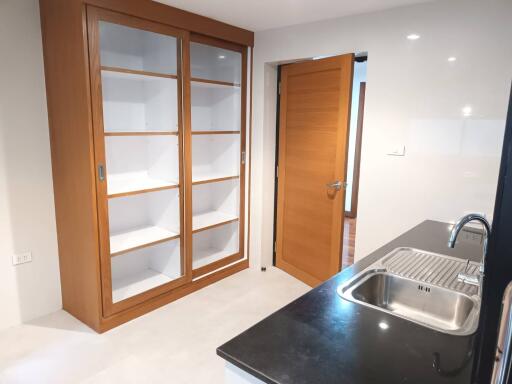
357 154
276 166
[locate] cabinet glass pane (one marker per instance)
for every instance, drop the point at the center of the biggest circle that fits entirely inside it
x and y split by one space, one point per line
215 156
215 203
144 242
142 219
146 268
216 107
214 244
138 103
213 63
136 49
137 163
142 158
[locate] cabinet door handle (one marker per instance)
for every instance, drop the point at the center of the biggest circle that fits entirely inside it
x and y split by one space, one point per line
101 172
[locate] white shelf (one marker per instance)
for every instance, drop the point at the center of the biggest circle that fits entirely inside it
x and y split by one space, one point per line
140 133
213 84
209 219
142 281
121 74
207 256
137 238
215 132
206 177
134 182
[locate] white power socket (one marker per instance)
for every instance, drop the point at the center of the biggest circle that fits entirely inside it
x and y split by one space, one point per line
22 258
397 150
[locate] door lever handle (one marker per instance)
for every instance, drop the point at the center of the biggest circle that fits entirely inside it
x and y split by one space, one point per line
337 185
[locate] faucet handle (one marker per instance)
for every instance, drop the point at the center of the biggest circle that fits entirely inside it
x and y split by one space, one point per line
481 268
467 266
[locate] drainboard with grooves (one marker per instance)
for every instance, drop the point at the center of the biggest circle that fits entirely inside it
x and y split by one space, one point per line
431 268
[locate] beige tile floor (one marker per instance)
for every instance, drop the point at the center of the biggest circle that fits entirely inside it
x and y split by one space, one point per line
174 344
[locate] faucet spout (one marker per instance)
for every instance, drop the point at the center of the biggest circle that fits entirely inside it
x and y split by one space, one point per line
457 227
453 238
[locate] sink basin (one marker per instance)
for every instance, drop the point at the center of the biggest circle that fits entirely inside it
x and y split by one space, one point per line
446 310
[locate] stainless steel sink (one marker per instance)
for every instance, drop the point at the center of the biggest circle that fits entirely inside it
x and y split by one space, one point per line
433 297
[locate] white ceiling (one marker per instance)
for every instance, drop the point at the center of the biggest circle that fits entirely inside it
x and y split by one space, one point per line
258 15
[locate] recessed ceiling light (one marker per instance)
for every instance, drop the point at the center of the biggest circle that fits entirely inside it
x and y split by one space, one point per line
222 57
451 59
467 111
383 325
413 36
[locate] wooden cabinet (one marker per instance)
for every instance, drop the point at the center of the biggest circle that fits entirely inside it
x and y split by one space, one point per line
166 144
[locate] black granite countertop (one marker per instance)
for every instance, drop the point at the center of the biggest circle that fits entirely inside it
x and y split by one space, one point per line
322 339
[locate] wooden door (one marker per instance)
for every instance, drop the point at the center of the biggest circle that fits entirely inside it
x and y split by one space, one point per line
313 142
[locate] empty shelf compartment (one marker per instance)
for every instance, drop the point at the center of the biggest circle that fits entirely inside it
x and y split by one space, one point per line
142 220
138 163
144 269
215 244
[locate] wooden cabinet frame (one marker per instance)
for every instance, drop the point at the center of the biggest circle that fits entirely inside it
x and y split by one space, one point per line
73 82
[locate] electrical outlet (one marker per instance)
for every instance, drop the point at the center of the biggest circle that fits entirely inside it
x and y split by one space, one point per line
22 258
397 150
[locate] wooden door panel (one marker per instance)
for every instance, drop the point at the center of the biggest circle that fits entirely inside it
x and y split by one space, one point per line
314 121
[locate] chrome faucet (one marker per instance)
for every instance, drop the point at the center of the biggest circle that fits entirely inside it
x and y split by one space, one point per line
465 277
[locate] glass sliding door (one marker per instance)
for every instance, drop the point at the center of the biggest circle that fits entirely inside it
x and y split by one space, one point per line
218 153
136 79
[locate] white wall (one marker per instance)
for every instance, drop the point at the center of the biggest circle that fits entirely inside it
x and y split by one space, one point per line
27 214
414 97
